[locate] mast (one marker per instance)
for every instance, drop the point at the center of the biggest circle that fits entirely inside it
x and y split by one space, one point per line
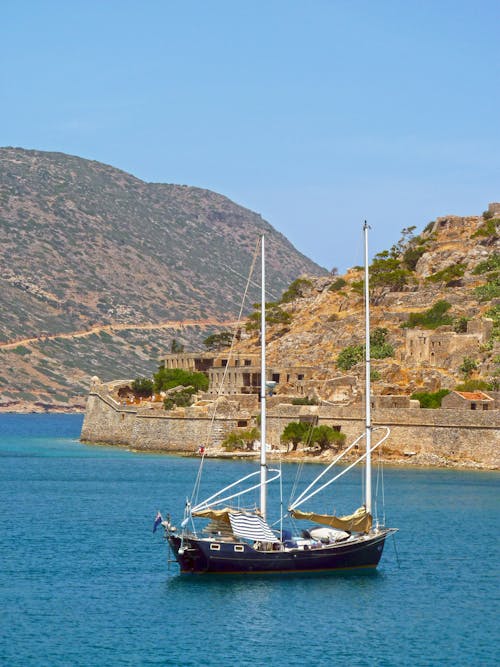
368 425
263 469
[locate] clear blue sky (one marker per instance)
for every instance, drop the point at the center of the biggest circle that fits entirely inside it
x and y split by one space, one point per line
315 114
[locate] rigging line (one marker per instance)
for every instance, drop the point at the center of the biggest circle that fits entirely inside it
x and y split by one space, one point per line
196 487
383 485
251 282
300 467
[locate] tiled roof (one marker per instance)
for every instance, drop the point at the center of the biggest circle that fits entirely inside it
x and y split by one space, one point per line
474 395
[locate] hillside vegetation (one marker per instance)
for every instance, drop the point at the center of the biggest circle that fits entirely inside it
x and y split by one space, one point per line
86 248
102 273
438 282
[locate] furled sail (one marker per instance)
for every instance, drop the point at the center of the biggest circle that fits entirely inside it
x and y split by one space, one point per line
360 521
215 515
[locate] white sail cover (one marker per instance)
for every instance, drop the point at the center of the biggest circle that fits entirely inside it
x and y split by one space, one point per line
252 527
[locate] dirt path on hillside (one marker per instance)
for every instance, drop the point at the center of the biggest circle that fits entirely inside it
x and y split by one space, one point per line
112 328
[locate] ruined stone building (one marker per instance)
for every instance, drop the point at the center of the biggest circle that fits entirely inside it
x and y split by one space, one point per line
240 373
444 348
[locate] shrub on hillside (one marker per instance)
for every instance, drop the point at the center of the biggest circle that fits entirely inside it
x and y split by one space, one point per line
168 378
430 319
305 400
487 229
448 274
296 290
354 354
274 315
474 385
179 399
337 285
489 291
430 400
487 265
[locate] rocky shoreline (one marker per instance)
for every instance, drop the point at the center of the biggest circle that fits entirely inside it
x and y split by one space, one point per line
21 408
423 461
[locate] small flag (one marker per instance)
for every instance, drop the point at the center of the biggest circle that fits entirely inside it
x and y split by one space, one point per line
157 522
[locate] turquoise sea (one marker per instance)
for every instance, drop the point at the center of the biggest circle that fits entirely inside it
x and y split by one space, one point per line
83 581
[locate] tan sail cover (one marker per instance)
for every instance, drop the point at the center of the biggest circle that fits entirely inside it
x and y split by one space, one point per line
219 515
359 522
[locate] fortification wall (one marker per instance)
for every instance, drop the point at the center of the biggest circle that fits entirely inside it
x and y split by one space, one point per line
151 430
462 437
439 437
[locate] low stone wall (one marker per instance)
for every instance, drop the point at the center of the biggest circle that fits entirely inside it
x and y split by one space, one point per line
468 438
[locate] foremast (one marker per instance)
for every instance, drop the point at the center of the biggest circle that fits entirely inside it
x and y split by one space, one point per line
263 462
368 423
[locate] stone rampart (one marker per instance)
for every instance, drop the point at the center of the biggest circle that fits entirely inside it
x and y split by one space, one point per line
461 437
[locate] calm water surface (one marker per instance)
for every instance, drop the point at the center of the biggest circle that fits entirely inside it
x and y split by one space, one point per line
83 581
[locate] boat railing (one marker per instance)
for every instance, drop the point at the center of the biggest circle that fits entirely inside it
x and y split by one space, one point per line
216 498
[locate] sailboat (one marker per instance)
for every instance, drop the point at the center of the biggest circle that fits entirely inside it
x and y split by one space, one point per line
242 541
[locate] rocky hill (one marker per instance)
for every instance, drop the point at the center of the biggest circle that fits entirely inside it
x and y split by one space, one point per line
435 301
100 271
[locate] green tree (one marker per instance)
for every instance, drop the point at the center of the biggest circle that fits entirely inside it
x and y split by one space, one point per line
296 290
327 437
294 433
241 440
490 264
489 291
447 275
354 354
386 271
412 255
168 378
467 367
176 347
218 341
488 228
274 315
460 324
181 399
142 387
350 356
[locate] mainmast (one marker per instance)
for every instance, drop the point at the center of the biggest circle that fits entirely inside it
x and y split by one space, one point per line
368 425
263 468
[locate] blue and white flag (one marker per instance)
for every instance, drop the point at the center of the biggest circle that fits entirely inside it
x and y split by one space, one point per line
157 522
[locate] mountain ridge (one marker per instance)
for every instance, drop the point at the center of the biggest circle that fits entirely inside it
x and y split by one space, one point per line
83 285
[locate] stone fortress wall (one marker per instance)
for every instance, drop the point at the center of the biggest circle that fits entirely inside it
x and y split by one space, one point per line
426 437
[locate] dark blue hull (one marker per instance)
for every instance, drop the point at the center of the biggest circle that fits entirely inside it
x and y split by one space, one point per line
204 556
